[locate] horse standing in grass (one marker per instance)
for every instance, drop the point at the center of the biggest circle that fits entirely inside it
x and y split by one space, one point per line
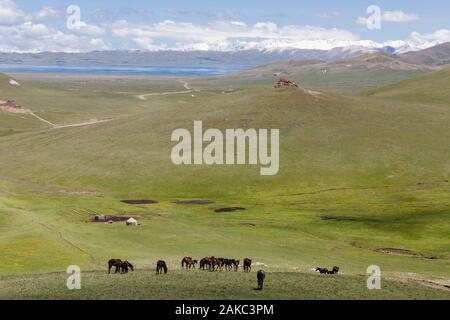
334 271
115 263
247 265
161 266
220 263
205 262
261 277
322 270
236 264
186 262
125 266
193 264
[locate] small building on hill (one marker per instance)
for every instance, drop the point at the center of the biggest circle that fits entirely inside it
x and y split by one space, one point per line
285 83
132 222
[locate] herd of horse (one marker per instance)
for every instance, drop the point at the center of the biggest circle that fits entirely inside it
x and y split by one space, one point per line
207 263
215 264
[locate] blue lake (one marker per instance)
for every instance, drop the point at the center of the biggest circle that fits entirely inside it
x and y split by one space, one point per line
131 70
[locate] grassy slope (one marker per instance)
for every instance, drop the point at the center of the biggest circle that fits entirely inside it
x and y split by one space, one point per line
191 285
344 77
431 88
386 184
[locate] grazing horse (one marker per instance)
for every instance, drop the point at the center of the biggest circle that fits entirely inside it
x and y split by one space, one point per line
220 263
212 263
193 264
334 271
235 264
125 266
160 266
205 262
115 263
186 262
247 265
261 276
322 270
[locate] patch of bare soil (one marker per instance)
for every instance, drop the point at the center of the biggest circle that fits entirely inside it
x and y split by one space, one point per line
404 252
81 193
12 107
202 202
135 202
249 224
435 284
230 209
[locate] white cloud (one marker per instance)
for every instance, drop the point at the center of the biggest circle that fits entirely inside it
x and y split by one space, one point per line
46 13
10 13
24 31
88 29
31 37
392 16
399 16
230 35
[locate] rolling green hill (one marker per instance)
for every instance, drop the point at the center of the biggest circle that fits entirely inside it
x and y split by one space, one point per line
430 88
346 77
356 175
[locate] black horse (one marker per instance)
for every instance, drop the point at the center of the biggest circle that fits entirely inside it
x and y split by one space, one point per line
334 271
261 277
322 270
247 265
161 266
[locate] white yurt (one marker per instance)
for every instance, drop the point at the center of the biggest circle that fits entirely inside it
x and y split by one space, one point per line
132 222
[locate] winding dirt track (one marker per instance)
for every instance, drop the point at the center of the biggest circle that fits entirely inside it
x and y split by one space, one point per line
93 122
81 124
186 86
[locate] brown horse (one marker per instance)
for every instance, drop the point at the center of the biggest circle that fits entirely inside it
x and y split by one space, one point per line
186 262
205 262
125 266
235 264
220 262
161 266
247 265
115 263
193 264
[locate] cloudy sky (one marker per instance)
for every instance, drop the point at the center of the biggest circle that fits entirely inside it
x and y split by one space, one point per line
57 25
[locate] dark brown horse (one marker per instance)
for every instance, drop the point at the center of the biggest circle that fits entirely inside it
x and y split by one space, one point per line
121 266
247 265
205 263
161 266
212 263
261 277
236 264
193 264
334 271
220 263
115 263
322 270
125 266
186 262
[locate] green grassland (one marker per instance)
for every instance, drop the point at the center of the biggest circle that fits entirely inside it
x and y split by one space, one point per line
198 285
356 174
